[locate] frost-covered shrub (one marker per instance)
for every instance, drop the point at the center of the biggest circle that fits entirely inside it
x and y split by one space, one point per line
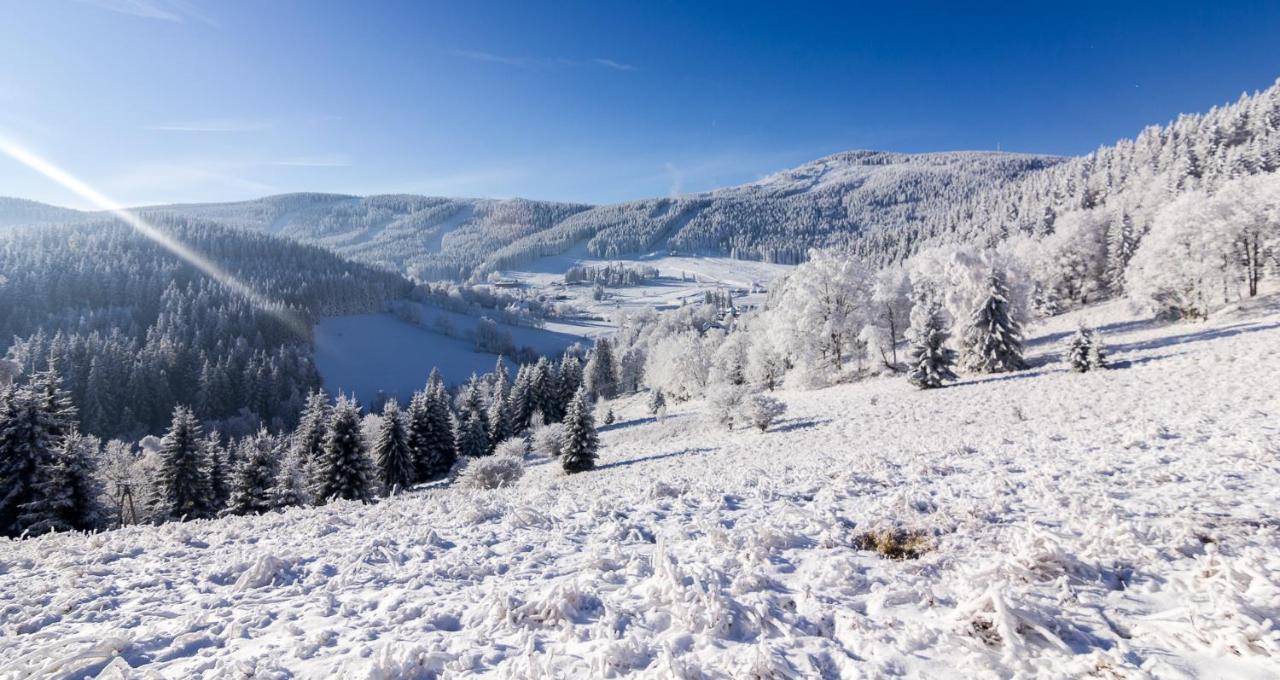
515 447
761 410
724 405
549 439
489 472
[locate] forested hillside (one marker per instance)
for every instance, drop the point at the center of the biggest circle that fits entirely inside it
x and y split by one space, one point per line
134 330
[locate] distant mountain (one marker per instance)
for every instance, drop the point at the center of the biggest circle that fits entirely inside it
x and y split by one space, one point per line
881 206
19 212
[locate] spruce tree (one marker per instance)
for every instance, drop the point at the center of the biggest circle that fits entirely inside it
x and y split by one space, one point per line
442 448
499 420
580 439
345 470
182 484
220 471
1097 353
28 439
255 475
69 492
929 360
601 373
657 402
397 468
520 403
1078 350
289 489
308 438
993 338
569 379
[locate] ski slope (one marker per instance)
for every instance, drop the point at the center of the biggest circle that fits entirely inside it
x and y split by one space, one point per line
1111 524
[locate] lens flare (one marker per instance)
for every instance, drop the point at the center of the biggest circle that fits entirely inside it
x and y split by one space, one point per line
166 241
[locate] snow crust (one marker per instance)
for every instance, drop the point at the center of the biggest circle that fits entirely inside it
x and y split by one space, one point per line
1117 523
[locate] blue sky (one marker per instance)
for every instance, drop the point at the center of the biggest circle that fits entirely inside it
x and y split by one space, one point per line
185 100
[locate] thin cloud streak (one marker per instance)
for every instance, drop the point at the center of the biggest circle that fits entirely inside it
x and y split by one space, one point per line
214 125
175 11
528 62
323 161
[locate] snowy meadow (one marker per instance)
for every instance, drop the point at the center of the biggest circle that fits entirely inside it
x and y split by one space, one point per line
1047 523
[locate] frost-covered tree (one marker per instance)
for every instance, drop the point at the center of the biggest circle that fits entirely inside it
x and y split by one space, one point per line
656 402
471 435
254 479
1097 352
221 470
290 486
521 402
578 452
1078 350
499 420
601 371
765 365
308 438
345 469
69 492
725 405
397 467
430 432
761 410
30 432
993 337
820 312
183 485
890 302
929 360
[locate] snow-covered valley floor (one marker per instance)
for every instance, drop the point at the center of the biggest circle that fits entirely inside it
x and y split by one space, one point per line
1113 524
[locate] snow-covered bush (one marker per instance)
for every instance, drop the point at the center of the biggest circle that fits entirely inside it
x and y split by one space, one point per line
489 472
724 405
761 410
515 447
549 439
679 365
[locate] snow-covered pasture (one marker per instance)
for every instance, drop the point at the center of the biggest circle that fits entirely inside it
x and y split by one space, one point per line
363 354
1117 523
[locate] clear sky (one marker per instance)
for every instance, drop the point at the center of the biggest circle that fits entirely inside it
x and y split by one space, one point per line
195 100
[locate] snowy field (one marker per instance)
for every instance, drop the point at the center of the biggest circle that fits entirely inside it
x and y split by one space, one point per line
1119 524
681 277
363 354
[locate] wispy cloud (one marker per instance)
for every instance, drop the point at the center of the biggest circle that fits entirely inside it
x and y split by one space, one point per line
177 11
214 125
333 160
185 178
615 65
542 62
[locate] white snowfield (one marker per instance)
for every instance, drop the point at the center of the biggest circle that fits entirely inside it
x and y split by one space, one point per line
1118 524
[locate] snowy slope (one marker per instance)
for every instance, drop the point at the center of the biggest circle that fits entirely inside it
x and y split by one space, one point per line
1114 524
363 354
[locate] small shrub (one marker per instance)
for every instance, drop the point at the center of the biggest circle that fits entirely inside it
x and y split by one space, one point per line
549 439
761 410
515 447
489 472
895 544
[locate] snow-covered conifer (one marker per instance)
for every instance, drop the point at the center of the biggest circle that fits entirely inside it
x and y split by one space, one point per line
1078 350
345 469
397 468
601 372
254 479
290 486
578 453
69 490
929 360
183 485
993 338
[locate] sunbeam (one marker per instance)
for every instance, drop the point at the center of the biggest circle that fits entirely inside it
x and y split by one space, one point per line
195 259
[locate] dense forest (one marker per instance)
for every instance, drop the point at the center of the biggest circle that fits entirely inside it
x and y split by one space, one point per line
133 329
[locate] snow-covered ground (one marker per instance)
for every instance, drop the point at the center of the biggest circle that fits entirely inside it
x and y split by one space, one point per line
681 278
1111 524
363 354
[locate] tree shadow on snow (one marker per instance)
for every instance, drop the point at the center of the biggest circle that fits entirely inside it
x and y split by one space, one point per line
1198 336
1117 327
799 424
658 456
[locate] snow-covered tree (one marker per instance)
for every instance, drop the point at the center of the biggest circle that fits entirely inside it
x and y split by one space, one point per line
183 483
725 404
345 469
499 420
578 453
221 470
656 402
290 486
760 410
929 360
820 312
601 371
1085 351
430 432
69 491
29 436
890 301
765 365
254 478
397 467
993 337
